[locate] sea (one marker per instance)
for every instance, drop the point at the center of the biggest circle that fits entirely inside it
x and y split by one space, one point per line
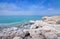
11 21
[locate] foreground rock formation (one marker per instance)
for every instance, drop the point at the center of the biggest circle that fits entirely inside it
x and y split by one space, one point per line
47 28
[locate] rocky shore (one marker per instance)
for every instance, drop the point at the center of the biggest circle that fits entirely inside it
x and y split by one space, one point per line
47 28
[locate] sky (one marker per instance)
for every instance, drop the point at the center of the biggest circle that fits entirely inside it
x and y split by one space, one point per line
29 7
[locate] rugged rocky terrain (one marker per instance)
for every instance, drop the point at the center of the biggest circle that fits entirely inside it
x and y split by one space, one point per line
47 28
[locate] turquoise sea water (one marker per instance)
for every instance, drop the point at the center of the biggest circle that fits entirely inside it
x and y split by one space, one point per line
11 21
21 19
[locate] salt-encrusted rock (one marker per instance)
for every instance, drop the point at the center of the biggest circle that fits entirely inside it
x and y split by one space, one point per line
17 38
34 26
56 18
58 22
44 18
24 24
8 33
20 33
38 24
5 30
50 35
13 28
8 37
10 29
35 34
28 37
52 19
49 20
1 34
58 34
45 32
12 34
47 28
31 22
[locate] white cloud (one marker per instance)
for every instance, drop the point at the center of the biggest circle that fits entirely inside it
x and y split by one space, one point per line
12 9
6 6
50 8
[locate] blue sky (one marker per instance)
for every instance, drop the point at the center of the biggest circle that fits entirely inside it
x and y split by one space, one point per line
29 7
